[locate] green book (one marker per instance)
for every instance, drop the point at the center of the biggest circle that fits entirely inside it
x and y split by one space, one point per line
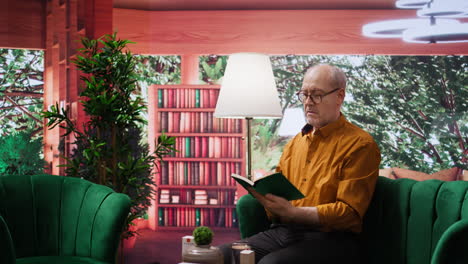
276 184
197 217
160 216
160 98
187 147
197 98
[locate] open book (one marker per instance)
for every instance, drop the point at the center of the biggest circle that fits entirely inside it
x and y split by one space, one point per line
275 184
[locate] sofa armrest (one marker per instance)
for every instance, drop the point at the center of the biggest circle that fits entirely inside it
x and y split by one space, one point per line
252 216
451 247
7 250
108 226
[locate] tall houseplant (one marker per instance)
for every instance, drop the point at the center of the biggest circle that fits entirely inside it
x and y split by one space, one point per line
108 149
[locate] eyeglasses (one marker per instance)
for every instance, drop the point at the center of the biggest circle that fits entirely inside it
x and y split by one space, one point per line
316 98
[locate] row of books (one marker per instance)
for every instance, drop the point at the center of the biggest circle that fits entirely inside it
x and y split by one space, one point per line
198 173
208 147
191 217
187 98
197 197
197 122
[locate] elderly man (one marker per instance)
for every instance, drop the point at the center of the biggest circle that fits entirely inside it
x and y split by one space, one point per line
335 164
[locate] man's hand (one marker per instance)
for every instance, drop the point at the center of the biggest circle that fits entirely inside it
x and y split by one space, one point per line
281 209
276 205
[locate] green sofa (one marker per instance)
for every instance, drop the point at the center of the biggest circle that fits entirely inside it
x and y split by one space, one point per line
59 220
408 222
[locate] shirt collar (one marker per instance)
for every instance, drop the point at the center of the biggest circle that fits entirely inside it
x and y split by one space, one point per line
326 130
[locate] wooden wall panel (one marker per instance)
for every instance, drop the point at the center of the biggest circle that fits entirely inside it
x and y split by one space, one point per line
267 31
22 24
66 23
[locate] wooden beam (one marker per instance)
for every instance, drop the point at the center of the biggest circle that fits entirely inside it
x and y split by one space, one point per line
23 24
266 31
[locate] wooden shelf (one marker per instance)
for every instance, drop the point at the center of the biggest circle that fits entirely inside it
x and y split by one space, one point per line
173 134
217 173
186 109
186 86
216 206
205 187
183 228
204 159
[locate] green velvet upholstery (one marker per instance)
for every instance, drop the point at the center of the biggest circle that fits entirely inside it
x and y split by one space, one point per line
408 222
54 219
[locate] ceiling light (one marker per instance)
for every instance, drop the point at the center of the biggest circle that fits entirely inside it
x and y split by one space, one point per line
395 28
411 4
437 34
446 8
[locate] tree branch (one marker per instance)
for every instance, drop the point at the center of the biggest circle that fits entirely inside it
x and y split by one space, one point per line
23 109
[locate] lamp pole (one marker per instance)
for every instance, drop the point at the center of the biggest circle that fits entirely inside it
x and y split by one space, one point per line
249 148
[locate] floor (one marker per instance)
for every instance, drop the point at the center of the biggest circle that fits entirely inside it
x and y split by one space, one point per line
164 247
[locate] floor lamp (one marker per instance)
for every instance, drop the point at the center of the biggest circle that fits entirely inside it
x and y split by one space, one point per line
248 91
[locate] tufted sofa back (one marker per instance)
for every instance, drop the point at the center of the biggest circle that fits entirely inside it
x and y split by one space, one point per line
62 216
407 218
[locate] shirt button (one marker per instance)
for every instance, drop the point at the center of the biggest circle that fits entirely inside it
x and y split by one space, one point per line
308 161
304 180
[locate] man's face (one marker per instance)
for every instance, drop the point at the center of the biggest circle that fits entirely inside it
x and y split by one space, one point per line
317 82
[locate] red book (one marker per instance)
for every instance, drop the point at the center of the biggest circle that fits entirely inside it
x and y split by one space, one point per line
217 148
214 124
193 119
213 173
189 173
197 122
224 147
187 122
213 98
187 98
207 172
171 98
170 126
171 173
210 147
202 122
182 216
203 146
231 148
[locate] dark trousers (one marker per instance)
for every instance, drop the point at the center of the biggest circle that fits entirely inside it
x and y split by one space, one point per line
295 245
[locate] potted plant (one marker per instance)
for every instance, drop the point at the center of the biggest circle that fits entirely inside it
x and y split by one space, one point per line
203 252
202 236
108 149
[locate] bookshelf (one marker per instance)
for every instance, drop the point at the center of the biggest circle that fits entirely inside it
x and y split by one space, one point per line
194 186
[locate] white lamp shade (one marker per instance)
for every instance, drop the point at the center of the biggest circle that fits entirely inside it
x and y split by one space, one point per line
292 123
248 88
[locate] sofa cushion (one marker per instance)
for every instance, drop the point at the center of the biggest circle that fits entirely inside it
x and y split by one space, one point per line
451 174
58 260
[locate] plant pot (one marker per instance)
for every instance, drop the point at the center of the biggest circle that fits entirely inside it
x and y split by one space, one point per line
204 254
129 243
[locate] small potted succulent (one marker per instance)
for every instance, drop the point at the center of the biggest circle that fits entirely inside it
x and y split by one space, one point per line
203 252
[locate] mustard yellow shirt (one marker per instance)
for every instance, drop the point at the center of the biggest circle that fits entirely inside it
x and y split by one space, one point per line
336 168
